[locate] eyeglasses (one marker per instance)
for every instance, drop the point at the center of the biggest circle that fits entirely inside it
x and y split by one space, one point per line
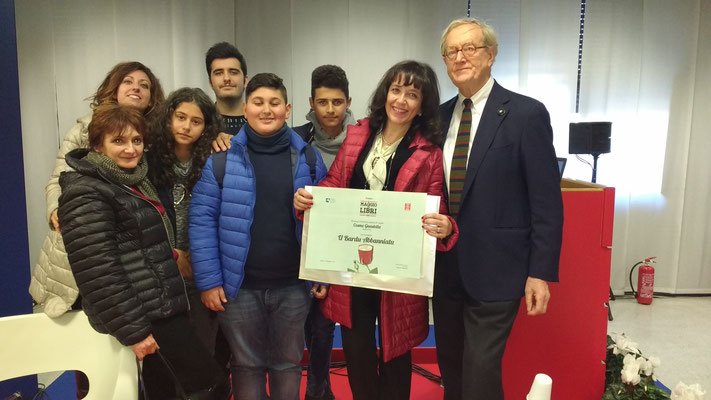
468 50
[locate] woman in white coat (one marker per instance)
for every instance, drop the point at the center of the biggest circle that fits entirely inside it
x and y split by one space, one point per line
128 84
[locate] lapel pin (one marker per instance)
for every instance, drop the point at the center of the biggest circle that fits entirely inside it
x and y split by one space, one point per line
501 112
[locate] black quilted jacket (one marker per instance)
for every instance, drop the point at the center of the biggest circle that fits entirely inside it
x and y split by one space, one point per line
119 254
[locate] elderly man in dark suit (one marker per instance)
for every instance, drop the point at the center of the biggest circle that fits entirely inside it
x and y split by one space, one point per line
503 188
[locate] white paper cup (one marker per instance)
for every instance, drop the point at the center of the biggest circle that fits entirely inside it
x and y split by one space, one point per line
541 388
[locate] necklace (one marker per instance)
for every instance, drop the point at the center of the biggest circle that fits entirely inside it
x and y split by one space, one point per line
385 142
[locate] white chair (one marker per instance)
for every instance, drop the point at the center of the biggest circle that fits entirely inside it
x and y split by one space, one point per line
35 343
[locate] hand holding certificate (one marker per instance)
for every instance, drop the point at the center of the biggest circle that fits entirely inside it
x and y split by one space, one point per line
372 239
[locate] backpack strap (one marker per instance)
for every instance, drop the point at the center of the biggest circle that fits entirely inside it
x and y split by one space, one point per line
310 155
219 162
306 132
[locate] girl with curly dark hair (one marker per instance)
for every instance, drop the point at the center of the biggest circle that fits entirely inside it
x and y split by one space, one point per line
181 134
396 148
182 131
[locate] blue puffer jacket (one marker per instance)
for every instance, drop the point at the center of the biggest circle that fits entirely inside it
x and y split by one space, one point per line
220 220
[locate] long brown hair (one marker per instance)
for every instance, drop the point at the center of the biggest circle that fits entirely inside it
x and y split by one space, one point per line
107 90
162 154
422 77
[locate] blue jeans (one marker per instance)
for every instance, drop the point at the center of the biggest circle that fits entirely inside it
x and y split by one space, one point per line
319 340
265 330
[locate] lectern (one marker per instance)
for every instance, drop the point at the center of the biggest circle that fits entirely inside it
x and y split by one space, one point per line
568 343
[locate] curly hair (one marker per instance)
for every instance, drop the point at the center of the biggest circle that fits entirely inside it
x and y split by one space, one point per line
422 77
107 90
161 155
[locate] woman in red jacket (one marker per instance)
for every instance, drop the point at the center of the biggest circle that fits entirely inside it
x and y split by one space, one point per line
396 148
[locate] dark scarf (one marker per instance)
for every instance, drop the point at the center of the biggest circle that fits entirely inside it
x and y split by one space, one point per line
274 143
137 178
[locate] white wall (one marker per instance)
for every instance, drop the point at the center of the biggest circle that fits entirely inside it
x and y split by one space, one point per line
645 67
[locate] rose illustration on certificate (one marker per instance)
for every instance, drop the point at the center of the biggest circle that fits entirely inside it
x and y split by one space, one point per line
365 255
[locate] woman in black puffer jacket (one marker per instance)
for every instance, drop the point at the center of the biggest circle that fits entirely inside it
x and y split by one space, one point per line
119 243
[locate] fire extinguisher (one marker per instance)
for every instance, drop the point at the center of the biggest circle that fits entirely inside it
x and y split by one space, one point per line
645 281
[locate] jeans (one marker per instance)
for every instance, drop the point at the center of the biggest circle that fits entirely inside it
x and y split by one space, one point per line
319 341
265 330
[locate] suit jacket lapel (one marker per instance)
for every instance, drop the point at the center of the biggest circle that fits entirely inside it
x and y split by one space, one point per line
494 113
445 118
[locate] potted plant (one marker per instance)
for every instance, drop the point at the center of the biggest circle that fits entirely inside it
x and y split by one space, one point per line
630 376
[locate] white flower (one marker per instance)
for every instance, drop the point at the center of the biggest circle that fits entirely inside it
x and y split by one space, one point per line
643 364
684 392
630 377
623 345
630 361
646 366
630 370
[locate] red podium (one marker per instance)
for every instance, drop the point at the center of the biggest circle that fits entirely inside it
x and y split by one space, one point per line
568 343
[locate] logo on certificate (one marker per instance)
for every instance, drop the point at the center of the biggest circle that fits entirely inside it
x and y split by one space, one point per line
368 208
407 206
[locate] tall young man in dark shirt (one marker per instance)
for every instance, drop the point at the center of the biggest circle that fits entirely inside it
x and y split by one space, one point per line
227 71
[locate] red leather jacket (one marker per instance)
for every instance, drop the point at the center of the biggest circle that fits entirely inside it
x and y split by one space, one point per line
404 321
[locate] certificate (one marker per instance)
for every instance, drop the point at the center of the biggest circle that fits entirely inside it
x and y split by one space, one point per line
369 238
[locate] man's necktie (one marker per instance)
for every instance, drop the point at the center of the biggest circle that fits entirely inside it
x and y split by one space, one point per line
459 159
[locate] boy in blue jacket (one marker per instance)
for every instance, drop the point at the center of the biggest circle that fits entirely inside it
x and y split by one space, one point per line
245 244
